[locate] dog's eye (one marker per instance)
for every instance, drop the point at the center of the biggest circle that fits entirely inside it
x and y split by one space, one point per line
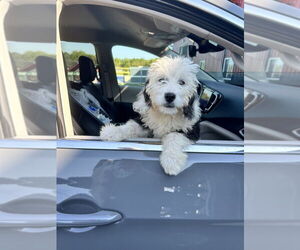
181 82
162 79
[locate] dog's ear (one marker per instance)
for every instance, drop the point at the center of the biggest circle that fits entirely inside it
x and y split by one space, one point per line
188 111
146 95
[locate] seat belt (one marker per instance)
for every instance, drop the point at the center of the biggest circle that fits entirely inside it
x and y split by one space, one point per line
107 86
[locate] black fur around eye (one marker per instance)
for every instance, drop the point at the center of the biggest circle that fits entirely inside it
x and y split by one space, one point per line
181 82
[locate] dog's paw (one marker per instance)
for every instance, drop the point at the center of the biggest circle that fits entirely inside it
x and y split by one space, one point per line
173 163
110 132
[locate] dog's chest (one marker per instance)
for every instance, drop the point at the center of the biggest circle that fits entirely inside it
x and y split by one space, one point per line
162 124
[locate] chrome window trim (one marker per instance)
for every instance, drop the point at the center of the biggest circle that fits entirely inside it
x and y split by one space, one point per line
154 140
209 147
203 147
275 149
143 146
271 147
28 144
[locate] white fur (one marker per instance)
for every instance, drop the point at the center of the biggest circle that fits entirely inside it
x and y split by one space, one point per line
130 129
164 121
172 158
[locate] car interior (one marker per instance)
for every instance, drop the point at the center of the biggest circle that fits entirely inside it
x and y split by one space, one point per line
97 98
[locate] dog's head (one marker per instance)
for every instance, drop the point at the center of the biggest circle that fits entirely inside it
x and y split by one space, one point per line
171 85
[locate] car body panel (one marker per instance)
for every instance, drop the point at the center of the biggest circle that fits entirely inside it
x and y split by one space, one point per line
196 209
28 197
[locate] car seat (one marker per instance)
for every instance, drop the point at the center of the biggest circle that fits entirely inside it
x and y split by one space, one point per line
90 109
39 99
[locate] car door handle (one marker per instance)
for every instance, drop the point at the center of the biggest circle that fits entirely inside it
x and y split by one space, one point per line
100 218
26 220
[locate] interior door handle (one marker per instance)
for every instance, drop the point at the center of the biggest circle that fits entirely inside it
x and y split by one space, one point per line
251 98
87 220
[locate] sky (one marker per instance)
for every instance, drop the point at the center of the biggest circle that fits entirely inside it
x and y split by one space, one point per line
118 51
21 47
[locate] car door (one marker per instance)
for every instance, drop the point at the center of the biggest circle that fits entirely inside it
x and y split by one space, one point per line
27 138
272 88
272 148
115 195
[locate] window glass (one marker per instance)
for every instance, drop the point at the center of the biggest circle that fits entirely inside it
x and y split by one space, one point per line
273 66
72 51
24 55
131 65
215 65
34 66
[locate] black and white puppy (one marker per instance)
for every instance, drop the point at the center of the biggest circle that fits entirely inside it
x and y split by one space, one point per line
168 108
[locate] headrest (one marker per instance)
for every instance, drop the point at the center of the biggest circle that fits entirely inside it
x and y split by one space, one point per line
46 69
87 69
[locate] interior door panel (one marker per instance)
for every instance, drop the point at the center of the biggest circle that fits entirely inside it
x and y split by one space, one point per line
229 112
201 208
276 112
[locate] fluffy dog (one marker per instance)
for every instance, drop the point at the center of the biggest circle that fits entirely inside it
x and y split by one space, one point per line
168 108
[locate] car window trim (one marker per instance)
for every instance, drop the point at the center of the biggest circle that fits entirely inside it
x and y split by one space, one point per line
207 147
28 144
148 146
202 147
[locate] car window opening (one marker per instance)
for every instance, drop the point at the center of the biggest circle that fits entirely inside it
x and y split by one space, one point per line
105 76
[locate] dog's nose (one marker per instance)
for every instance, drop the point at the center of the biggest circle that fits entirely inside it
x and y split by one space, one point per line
170 97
